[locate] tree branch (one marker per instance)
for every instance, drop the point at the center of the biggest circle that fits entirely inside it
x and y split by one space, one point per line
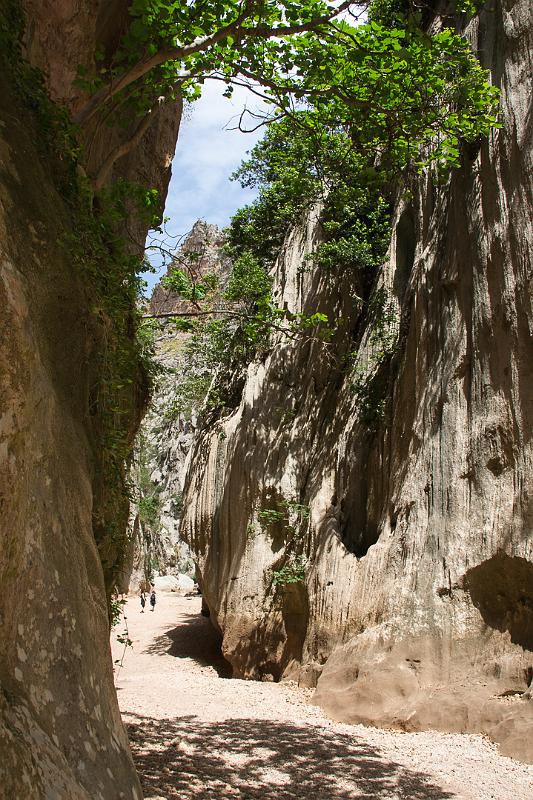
294 334
144 66
123 149
200 44
264 121
177 314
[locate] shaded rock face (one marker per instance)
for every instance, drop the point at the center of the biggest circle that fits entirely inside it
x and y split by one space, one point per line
60 728
407 501
163 442
63 36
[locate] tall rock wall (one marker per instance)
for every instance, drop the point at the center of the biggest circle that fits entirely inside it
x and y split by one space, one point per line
372 529
60 726
60 730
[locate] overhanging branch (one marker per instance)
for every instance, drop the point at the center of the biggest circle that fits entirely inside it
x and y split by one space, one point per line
201 44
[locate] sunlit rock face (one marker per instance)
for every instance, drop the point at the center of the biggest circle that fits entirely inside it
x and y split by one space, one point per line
415 605
201 253
60 730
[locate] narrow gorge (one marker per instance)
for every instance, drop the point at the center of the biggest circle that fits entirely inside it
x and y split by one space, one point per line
319 418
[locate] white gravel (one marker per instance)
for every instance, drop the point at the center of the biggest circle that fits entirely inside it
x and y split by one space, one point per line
196 734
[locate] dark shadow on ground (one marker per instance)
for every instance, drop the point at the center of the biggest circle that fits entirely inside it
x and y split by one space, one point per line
252 759
193 638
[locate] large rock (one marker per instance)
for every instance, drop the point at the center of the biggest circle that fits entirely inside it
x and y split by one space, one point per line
415 609
181 584
60 726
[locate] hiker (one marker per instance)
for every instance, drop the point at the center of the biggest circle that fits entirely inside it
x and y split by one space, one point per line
143 602
152 599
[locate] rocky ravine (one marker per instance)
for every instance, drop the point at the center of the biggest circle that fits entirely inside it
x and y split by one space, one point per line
412 528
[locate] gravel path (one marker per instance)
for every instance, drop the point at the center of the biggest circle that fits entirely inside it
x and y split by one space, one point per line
197 734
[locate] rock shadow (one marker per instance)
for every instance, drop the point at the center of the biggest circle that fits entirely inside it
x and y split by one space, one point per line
502 590
267 760
195 638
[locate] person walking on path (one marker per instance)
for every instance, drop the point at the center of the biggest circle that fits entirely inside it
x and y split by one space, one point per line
152 599
143 602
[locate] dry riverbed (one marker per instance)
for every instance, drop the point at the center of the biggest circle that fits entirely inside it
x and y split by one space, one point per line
197 734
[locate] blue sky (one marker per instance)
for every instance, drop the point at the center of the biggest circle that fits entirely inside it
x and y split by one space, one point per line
206 155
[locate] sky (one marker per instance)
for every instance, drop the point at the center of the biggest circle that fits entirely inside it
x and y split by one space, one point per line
206 155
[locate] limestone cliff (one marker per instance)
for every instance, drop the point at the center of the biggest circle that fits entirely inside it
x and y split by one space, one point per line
63 511
371 530
59 722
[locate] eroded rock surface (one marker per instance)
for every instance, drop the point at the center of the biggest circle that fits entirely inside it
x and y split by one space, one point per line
415 606
60 726
63 37
61 735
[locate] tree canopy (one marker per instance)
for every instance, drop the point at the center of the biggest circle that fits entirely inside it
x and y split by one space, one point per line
397 92
352 107
293 51
173 45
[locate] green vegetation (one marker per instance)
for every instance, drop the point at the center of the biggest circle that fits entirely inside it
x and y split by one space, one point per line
116 609
117 614
299 510
123 366
148 501
188 395
170 47
188 387
57 137
181 281
293 571
290 516
294 51
354 109
149 508
270 516
251 531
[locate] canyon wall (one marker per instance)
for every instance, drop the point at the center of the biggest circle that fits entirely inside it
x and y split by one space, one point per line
60 730
369 530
